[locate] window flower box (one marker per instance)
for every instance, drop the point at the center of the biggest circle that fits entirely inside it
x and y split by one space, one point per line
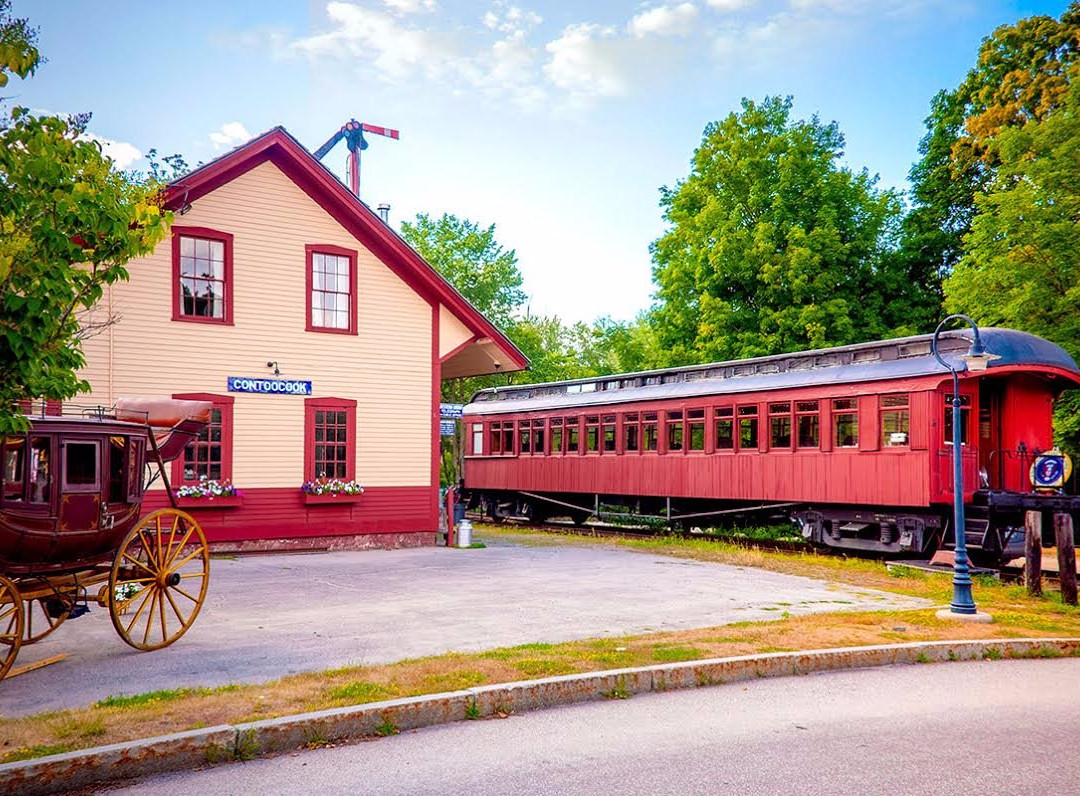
209 494
332 490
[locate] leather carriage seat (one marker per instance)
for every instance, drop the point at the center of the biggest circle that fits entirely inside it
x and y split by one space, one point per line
162 412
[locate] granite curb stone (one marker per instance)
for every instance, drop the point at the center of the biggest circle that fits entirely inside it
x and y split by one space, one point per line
225 743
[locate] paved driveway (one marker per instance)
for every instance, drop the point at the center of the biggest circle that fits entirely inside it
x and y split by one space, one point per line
268 616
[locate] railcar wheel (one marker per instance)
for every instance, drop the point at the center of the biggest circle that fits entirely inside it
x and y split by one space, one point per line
11 624
41 616
158 581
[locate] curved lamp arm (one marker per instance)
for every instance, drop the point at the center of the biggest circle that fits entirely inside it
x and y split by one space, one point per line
977 348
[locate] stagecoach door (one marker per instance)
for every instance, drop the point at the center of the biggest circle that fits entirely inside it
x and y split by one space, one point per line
80 483
991 461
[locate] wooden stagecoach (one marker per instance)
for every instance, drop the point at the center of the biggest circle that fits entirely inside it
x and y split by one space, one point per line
72 529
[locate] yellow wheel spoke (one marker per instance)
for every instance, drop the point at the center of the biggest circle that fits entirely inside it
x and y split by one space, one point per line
174 567
150 621
180 547
158 552
161 613
176 608
193 599
142 606
194 574
139 564
172 538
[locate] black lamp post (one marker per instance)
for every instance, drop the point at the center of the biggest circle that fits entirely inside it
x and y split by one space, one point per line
976 360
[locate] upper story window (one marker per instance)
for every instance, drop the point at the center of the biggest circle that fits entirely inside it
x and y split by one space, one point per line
202 275
331 280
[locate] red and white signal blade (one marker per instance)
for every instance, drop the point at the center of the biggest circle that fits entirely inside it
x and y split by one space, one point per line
371 128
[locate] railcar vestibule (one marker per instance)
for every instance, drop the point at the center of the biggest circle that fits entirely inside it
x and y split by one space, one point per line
856 437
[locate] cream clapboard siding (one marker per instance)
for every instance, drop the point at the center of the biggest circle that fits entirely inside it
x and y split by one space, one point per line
452 332
387 368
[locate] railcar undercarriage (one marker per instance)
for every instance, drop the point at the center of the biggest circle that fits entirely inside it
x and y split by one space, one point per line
994 519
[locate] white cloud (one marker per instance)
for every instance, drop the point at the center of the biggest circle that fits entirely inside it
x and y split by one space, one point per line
730 5
122 153
410 6
230 134
511 19
585 61
664 21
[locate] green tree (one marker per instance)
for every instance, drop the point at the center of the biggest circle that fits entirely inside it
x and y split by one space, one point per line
1021 266
473 261
1021 74
773 246
69 221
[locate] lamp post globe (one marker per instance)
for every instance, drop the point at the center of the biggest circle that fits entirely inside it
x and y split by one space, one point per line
976 360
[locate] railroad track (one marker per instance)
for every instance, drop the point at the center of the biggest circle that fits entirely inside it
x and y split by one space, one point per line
1005 574
613 531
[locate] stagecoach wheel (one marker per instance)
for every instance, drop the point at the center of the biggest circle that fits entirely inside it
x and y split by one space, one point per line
43 615
158 580
11 624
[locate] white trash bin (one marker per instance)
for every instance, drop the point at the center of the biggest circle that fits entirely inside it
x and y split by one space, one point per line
464 533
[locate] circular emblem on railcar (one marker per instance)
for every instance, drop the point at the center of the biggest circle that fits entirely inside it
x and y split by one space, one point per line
1051 469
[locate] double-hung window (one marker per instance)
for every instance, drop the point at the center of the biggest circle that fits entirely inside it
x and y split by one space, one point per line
331 280
202 262
725 428
845 422
895 421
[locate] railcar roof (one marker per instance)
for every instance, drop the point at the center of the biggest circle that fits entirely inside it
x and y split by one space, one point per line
900 358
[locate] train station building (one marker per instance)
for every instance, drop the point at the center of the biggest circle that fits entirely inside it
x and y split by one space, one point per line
320 337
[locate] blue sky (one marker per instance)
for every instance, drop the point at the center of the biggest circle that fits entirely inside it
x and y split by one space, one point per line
558 122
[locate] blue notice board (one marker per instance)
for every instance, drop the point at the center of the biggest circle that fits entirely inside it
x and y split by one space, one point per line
269 386
447 428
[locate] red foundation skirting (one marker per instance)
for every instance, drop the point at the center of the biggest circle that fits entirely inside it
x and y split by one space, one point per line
281 513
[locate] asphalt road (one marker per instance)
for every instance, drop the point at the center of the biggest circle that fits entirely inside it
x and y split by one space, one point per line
269 616
987 727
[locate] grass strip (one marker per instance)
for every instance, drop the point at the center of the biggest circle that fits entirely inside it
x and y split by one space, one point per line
126 717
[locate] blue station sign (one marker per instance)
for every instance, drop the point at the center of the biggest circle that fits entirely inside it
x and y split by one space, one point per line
451 411
447 428
269 386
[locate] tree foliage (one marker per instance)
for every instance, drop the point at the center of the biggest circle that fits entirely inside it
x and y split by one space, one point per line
1021 262
774 246
68 222
1022 74
472 260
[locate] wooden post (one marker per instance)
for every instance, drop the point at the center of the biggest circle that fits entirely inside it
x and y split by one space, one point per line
1063 533
1033 553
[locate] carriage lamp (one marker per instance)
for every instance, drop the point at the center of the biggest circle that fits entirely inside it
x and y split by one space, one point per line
976 360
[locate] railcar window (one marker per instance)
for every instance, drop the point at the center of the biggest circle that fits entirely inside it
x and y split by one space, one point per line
631 432
538 437
508 437
609 433
675 431
523 436
965 419
573 432
725 428
14 469
846 423
696 429
80 464
556 435
650 432
495 438
808 424
895 421
477 438
748 428
780 425
592 433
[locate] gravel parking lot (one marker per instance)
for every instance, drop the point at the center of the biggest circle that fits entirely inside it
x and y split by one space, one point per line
272 615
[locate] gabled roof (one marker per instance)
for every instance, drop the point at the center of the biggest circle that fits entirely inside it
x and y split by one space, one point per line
317 181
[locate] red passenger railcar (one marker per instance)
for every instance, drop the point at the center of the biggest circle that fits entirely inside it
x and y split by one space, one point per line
853 443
